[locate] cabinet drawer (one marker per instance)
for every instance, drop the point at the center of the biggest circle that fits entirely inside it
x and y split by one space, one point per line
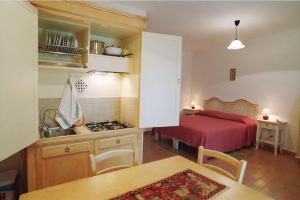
116 141
268 126
70 148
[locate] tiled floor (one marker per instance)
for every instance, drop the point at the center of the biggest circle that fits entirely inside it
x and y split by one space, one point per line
276 176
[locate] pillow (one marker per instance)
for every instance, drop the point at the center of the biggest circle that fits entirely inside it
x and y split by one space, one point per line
209 113
232 117
227 116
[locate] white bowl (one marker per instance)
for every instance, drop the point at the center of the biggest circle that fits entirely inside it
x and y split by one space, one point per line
114 51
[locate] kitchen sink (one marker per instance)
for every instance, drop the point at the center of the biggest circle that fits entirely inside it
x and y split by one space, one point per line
57 131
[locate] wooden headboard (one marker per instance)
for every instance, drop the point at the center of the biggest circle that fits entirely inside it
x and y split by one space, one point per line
240 106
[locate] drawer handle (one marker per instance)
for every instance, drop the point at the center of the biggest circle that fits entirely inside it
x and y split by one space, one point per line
118 141
67 149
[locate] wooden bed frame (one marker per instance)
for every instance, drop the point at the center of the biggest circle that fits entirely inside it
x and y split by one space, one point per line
239 106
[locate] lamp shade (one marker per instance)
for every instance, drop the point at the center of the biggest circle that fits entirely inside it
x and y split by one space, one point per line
236 44
193 103
266 111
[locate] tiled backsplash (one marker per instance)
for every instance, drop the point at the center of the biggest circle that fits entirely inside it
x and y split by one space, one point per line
96 109
100 109
129 110
93 109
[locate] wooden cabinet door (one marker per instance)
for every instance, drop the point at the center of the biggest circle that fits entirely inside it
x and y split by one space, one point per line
63 163
18 65
160 80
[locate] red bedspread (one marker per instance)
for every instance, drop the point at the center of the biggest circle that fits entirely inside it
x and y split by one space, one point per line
214 130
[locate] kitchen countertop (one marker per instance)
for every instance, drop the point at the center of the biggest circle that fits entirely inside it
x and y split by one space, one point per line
85 134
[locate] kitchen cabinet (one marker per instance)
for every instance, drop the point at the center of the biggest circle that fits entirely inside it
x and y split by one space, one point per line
62 163
19 58
66 18
62 42
151 81
83 11
160 80
53 31
153 72
57 160
18 89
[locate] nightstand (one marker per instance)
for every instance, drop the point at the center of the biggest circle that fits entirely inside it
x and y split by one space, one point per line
190 111
270 132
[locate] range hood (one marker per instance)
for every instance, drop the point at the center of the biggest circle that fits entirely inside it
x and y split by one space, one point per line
104 63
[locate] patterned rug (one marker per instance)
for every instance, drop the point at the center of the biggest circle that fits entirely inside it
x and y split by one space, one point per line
183 185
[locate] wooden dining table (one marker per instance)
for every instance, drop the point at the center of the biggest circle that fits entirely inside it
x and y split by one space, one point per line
115 183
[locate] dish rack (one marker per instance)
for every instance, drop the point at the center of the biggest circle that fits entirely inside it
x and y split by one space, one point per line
60 55
59 49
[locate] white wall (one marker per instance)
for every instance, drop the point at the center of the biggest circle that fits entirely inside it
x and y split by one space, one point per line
268 73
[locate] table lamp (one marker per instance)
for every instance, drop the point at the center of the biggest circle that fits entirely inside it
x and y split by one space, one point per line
266 112
193 104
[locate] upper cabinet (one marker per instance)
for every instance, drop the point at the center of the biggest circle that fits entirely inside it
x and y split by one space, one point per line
160 80
62 43
107 52
69 31
83 11
59 37
18 91
66 44
152 69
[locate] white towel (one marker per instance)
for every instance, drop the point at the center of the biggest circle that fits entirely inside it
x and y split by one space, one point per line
69 110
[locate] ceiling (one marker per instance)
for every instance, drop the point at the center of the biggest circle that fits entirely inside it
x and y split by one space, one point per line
206 24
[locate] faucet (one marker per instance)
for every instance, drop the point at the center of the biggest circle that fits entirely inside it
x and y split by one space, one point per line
43 125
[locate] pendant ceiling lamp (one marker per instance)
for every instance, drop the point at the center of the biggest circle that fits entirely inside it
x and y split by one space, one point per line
236 44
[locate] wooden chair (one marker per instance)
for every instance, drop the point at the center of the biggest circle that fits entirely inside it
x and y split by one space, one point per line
239 165
111 154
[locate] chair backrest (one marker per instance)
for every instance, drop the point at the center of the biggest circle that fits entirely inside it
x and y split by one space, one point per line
111 154
239 165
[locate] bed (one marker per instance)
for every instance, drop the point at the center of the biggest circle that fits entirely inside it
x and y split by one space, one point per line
222 126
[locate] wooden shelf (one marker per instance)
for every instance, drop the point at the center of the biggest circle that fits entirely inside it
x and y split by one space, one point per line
267 141
64 69
55 52
109 63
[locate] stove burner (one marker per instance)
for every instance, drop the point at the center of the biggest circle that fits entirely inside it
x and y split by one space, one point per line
108 125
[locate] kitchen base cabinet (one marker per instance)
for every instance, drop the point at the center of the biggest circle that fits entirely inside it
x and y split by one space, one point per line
56 164
62 169
57 160
62 159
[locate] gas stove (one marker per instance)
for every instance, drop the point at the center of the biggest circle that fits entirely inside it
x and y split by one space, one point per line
107 125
